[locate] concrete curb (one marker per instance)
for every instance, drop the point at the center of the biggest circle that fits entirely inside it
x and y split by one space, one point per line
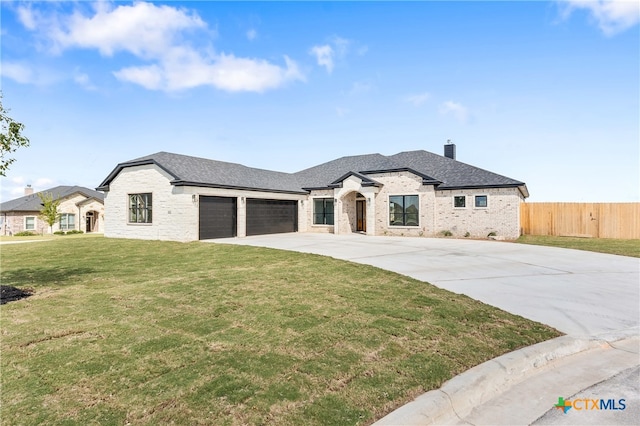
457 397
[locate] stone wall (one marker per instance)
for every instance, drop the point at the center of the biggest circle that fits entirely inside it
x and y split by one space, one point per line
501 216
175 208
403 183
310 227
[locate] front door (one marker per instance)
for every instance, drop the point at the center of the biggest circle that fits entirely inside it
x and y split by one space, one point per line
89 222
361 216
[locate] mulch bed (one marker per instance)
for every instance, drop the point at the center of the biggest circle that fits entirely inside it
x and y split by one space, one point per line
11 294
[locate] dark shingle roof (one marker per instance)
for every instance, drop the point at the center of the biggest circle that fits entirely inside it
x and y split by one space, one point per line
446 172
324 174
452 173
435 169
32 203
187 170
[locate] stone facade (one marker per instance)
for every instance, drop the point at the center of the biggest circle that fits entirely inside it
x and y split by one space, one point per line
437 213
501 216
308 217
176 210
403 183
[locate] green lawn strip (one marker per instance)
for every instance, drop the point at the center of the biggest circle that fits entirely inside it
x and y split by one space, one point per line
600 245
150 332
46 237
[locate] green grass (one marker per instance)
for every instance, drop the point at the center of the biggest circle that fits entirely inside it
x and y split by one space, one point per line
46 237
142 332
601 245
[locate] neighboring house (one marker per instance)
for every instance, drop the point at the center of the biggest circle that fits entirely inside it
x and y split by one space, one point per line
176 197
80 209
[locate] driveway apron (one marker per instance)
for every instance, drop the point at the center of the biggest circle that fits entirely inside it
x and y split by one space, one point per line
579 293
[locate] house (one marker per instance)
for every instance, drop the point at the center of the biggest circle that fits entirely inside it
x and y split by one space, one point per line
169 196
80 209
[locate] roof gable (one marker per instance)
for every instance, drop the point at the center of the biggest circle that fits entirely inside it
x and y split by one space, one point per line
365 181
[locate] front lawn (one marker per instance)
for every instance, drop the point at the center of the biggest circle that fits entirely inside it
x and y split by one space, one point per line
601 245
143 332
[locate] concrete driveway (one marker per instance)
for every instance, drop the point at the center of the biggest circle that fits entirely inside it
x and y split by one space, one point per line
592 297
579 293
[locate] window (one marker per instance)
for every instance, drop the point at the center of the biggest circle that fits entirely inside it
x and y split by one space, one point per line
30 223
139 208
481 201
67 221
323 211
460 201
403 210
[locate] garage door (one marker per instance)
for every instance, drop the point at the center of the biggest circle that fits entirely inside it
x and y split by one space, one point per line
217 217
271 216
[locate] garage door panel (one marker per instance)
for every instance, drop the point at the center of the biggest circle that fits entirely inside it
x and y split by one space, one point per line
271 216
217 217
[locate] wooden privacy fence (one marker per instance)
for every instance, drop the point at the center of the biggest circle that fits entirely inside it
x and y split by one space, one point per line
597 220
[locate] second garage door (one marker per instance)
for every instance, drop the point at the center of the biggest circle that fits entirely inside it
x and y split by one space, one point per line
271 216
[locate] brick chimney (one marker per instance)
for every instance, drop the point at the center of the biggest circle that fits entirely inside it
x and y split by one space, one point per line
450 150
28 190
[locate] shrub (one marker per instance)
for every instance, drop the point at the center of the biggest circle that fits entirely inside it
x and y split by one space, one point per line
446 233
75 231
58 233
467 234
25 234
492 234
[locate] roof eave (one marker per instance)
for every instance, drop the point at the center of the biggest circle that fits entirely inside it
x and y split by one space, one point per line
518 185
104 186
427 180
88 199
178 182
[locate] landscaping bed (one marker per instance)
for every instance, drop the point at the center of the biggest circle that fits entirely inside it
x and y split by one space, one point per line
11 294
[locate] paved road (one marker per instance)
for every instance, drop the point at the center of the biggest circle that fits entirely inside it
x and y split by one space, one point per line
579 293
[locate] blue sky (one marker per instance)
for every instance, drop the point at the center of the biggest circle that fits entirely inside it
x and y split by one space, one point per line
543 92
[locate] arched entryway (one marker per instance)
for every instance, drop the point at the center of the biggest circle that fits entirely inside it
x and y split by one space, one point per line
91 221
354 212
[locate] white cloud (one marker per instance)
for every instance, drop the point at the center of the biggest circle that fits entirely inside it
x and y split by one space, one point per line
252 34
18 72
42 183
27 18
362 50
149 76
14 187
155 35
143 29
341 45
460 112
83 80
29 74
226 72
324 55
417 99
342 112
360 87
611 16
